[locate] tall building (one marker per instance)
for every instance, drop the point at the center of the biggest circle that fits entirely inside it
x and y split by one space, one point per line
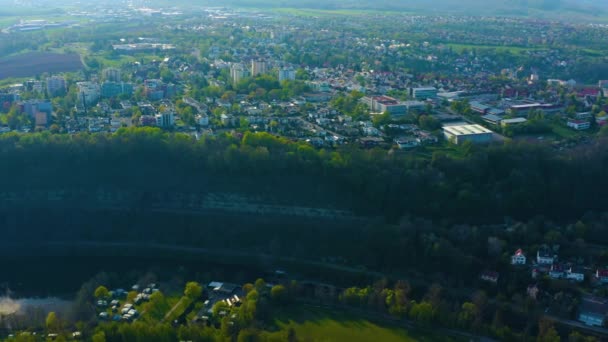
258 67
55 86
88 93
111 74
165 119
237 73
287 74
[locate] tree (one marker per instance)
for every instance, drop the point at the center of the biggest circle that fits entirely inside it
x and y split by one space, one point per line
193 290
382 119
279 294
429 123
547 332
291 335
248 335
260 285
158 306
54 128
99 337
52 322
101 292
131 296
422 312
219 307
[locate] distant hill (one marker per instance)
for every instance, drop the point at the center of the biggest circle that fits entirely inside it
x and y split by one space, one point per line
592 10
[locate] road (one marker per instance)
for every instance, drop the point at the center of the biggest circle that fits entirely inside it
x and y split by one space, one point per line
319 128
172 309
578 325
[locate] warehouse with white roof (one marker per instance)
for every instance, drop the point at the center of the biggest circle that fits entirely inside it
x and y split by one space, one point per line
473 133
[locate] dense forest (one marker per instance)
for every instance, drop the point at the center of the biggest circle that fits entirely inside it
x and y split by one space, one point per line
518 180
406 201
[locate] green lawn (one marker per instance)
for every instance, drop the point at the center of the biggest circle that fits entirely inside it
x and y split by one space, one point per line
315 324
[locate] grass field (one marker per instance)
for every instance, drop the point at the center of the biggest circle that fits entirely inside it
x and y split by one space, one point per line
315 324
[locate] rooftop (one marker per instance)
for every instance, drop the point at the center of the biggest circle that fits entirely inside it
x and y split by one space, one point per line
466 129
514 120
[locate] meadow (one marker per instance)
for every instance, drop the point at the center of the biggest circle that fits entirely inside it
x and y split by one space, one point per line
318 324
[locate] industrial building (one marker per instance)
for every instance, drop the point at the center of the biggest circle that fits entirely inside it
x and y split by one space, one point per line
473 133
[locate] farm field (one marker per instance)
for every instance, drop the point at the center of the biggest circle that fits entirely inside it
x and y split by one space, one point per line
34 63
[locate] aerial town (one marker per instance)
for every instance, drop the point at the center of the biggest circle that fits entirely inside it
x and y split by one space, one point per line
435 176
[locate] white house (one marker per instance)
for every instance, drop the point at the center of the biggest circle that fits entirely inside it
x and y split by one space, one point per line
518 258
576 274
579 125
544 257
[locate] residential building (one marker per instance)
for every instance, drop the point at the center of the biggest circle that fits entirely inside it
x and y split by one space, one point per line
602 275
287 74
165 119
238 72
114 89
258 67
31 107
544 257
55 86
154 89
519 258
319 86
111 75
579 125
490 276
557 271
575 273
473 133
88 93
202 119
34 86
423 93
593 310
407 142
8 99
148 120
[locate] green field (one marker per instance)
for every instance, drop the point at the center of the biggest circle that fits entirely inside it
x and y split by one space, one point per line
315 324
